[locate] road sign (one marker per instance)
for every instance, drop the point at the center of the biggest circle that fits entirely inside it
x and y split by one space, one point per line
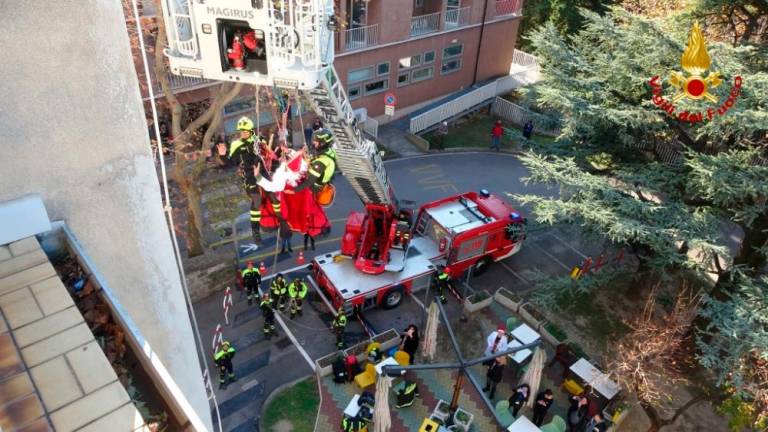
389 110
390 99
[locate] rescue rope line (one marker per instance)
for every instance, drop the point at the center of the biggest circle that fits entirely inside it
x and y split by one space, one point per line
168 206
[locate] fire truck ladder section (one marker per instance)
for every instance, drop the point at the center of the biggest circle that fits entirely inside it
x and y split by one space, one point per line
358 157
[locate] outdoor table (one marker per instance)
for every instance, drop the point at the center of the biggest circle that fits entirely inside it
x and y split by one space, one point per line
522 424
520 356
389 361
353 408
525 334
595 378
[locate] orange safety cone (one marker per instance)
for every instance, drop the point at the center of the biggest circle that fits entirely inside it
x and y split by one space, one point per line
262 268
300 259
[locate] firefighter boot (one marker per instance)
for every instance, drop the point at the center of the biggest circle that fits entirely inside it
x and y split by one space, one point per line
256 231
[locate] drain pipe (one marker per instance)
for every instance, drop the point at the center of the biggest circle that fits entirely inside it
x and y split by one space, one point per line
480 45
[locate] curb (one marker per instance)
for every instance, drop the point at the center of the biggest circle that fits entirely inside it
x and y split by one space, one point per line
473 149
274 393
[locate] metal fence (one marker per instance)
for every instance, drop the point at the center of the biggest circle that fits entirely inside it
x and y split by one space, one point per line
424 24
506 7
516 114
522 58
361 37
457 17
472 99
371 127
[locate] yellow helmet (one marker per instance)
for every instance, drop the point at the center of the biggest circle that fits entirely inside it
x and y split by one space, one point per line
245 124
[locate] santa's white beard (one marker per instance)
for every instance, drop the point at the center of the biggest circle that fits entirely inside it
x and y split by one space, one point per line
284 176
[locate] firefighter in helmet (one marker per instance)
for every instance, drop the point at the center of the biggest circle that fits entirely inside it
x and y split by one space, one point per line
244 153
441 280
323 164
251 281
338 325
268 312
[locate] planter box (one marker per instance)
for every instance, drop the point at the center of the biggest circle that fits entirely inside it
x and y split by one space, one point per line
508 299
531 316
442 416
325 364
548 337
472 307
464 425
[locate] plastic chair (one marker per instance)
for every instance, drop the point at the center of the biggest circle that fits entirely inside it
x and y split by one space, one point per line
371 346
572 387
556 425
402 358
502 411
367 377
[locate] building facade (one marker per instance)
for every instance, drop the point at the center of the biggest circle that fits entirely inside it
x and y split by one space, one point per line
420 50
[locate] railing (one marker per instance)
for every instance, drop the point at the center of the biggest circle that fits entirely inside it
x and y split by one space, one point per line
361 37
181 84
521 58
371 127
508 7
424 24
456 17
472 99
518 115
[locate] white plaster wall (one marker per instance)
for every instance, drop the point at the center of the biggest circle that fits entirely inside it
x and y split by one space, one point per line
72 129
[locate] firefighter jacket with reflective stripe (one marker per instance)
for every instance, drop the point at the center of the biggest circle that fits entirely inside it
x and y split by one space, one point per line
340 321
266 309
297 289
321 170
223 354
278 287
442 276
251 276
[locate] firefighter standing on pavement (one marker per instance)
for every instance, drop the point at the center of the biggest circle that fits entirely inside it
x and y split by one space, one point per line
441 279
223 358
352 424
268 312
297 290
251 282
279 291
338 326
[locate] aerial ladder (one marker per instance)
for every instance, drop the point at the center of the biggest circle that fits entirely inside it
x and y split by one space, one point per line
295 51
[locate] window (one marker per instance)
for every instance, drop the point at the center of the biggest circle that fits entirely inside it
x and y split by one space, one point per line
403 79
377 86
453 51
409 62
429 57
357 75
418 3
382 69
354 92
421 74
450 66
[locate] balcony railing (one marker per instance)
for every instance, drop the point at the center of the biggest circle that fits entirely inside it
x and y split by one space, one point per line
508 7
456 17
181 84
424 24
361 37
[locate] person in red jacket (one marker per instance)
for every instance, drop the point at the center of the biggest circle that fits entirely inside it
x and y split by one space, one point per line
496 134
236 54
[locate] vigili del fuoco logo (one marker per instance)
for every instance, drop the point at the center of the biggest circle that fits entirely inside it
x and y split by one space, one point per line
693 85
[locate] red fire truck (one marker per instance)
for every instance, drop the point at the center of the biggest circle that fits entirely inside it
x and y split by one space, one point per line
464 231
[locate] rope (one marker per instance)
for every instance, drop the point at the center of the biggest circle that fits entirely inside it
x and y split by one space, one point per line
169 207
301 119
258 117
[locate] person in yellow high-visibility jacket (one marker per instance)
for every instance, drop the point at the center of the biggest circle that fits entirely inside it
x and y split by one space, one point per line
297 290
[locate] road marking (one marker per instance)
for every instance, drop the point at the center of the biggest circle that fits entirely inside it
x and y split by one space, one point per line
417 301
568 245
514 273
295 342
250 384
433 176
298 248
551 256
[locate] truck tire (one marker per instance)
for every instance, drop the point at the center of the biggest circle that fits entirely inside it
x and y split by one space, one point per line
393 298
481 266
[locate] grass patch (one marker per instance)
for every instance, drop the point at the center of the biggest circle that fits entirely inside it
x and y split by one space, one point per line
300 398
476 132
599 325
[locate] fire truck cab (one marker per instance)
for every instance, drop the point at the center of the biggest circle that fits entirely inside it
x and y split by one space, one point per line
470 230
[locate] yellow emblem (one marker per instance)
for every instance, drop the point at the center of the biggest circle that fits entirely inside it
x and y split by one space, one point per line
695 61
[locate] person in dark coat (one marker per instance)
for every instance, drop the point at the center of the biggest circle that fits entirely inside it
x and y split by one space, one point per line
521 396
544 400
596 424
494 374
528 129
577 412
410 342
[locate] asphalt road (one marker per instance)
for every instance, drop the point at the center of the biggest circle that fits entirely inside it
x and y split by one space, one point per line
262 365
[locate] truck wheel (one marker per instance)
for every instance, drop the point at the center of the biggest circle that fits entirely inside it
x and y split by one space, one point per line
393 298
481 266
